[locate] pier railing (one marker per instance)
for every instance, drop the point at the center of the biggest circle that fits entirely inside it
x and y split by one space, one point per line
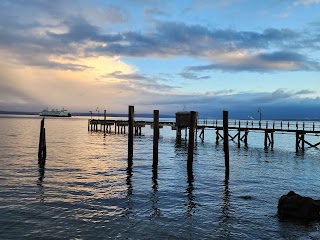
286 126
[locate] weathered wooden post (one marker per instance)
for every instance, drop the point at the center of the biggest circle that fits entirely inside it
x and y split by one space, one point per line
42 150
217 136
226 141
178 134
193 123
265 139
297 141
239 134
44 155
155 138
104 125
246 138
130 135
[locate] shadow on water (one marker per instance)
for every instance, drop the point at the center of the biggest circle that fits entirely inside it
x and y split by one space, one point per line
190 197
41 177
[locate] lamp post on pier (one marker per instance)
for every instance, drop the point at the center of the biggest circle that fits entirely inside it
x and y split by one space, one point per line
98 111
259 111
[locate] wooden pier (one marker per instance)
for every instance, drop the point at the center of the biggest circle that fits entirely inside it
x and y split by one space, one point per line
241 127
189 120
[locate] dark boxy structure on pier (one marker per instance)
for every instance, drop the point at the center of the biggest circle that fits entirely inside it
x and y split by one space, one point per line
183 121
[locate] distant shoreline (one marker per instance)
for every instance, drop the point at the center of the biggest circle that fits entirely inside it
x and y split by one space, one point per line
147 115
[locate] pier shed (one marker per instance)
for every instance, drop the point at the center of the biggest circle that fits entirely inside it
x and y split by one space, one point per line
183 119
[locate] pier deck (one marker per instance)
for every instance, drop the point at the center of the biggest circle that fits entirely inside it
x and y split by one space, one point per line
300 129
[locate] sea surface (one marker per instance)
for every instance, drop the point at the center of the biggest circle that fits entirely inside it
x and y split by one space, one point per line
85 190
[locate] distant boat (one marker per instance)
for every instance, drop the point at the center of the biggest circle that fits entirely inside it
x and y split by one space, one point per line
55 113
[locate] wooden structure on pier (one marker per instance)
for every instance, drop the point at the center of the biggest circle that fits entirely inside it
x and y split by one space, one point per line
242 129
183 122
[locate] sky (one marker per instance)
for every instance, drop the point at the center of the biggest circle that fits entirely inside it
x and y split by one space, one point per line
201 55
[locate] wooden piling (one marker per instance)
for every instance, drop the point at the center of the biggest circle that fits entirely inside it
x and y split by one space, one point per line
155 138
42 150
193 124
104 125
297 141
246 138
178 134
130 135
226 141
265 139
44 144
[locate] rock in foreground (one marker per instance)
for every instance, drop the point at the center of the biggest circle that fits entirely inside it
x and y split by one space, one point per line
293 205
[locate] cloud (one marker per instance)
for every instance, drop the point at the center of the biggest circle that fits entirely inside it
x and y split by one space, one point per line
154 12
305 2
141 81
193 76
262 62
64 32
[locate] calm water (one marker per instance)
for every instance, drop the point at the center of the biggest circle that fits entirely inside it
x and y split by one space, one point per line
86 192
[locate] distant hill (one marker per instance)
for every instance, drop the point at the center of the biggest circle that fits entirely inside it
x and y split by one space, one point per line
18 113
143 115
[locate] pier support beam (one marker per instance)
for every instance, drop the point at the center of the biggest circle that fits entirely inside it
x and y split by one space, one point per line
104 123
178 134
226 142
300 140
202 134
193 124
155 138
42 150
268 139
130 136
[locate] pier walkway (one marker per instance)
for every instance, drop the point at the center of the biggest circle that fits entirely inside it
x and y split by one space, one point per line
240 127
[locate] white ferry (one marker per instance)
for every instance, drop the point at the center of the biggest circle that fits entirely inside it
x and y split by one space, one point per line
55 113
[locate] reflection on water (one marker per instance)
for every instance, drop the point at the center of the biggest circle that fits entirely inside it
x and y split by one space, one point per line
128 209
191 199
225 208
86 191
41 177
156 212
